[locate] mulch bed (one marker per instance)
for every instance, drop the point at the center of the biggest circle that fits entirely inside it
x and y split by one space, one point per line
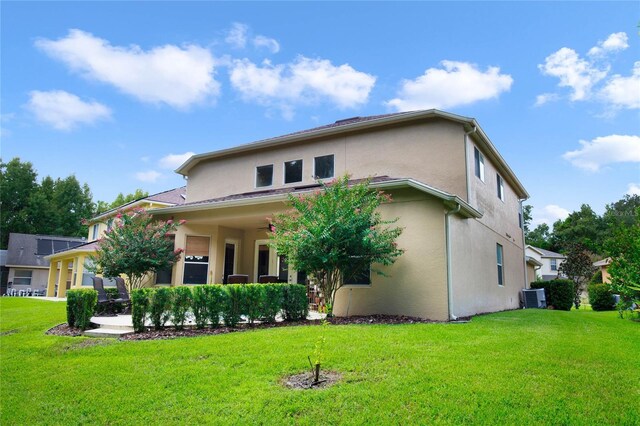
305 380
64 330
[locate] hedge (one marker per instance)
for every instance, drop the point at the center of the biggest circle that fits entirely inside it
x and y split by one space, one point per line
601 297
81 304
210 302
559 293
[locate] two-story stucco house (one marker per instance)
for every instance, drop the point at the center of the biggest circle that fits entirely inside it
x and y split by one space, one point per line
549 263
456 197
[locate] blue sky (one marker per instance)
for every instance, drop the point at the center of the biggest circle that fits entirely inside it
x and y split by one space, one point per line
118 93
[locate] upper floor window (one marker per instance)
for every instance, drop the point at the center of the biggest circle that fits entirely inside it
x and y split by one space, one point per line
554 264
323 167
499 256
109 224
479 162
264 175
500 187
293 171
94 235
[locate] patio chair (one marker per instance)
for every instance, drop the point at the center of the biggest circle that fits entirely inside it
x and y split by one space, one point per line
124 294
103 298
238 279
265 279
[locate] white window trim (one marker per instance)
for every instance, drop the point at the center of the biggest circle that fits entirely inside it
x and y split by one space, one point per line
255 176
500 180
481 164
314 167
500 263
184 257
284 172
30 277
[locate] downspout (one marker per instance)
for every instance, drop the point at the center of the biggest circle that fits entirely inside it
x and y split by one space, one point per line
524 246
466 160
447 231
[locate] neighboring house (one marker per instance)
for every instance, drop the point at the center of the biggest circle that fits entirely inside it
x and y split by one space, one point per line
550 263
603 266
533 265
76 258
27 258
456 198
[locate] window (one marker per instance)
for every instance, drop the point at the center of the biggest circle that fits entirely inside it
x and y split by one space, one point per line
554 264
293 171
22 277
520 220
500 187
109 224
196 260
479 161
362 277
323 167
264 175
94 235
500 264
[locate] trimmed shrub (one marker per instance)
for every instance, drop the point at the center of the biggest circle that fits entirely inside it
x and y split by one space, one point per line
199 306
160 307
216 299
559 293
295 304
180 304
254 301
82 304
140 307
596 278
272 302
601 297
233 306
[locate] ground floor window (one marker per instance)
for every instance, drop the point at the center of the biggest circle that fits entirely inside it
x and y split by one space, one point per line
196 260
361 277
22 277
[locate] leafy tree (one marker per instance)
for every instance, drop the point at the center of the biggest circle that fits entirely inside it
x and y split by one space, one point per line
539 237
73 203
584 227
622 212
17 185
526 218
578 267
121 199
336 234
136 246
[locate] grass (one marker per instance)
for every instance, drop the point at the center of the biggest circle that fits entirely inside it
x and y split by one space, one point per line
519 367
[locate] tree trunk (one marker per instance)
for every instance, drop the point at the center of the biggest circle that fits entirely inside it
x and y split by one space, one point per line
316 375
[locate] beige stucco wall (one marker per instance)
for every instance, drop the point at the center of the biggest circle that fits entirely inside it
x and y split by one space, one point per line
606 277
416 284
531 274
39 278
431 151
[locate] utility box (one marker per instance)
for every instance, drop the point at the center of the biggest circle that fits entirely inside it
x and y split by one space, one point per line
534 298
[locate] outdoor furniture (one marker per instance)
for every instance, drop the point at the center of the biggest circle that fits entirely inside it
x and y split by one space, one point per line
264 279
238 279
124 294
103 298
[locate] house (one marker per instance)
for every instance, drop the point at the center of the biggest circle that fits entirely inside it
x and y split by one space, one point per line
603 266
76 258
455 196
27 261
549 263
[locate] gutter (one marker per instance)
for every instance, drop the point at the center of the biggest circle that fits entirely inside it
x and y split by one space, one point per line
447 232
466 160
524 247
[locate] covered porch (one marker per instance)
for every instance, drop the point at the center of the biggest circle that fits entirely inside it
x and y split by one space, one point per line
67 270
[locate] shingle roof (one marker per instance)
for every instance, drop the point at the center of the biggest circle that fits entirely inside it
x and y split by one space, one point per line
549 253
23 248
176 196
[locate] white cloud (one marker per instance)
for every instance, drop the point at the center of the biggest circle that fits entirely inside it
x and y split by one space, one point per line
150 176
176 76
546 98
573 72
549 214
615 42
237 35
268 43
633 189
623 92
303 81
173 161
605 150
64 111
455 84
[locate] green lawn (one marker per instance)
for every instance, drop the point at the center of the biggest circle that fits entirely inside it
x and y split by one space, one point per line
520 367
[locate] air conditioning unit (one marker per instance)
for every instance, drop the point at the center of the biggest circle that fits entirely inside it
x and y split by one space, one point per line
534 298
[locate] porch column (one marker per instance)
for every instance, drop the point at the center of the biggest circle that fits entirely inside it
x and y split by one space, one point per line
62 278
51 282
78 264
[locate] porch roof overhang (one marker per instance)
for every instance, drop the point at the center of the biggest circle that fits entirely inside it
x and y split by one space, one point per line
249 199
83 249
533 261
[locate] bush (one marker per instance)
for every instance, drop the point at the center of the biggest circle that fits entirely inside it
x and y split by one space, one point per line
199 306
559 293
295 304
160 307
254 301
601 297
596 278
272 302
180 305
81 304
233 306
140 307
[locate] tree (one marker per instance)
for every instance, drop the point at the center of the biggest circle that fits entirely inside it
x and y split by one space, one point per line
622 212
526 218
583 226
103 206
539 237
336 234
578 267
17 185
73 203
136 246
